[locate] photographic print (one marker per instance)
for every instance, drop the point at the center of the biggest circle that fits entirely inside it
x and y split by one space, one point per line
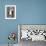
10 11
28 33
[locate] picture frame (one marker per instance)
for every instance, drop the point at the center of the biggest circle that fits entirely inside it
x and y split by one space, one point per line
39 28
10 11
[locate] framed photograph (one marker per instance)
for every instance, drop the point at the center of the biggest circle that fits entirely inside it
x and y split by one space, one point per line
10 11
31 32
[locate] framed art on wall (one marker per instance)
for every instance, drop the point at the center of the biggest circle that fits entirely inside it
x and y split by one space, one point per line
31 32
10 11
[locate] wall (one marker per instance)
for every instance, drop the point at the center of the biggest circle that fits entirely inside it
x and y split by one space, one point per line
27 12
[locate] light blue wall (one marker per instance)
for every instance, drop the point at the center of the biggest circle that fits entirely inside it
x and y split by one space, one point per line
27 12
